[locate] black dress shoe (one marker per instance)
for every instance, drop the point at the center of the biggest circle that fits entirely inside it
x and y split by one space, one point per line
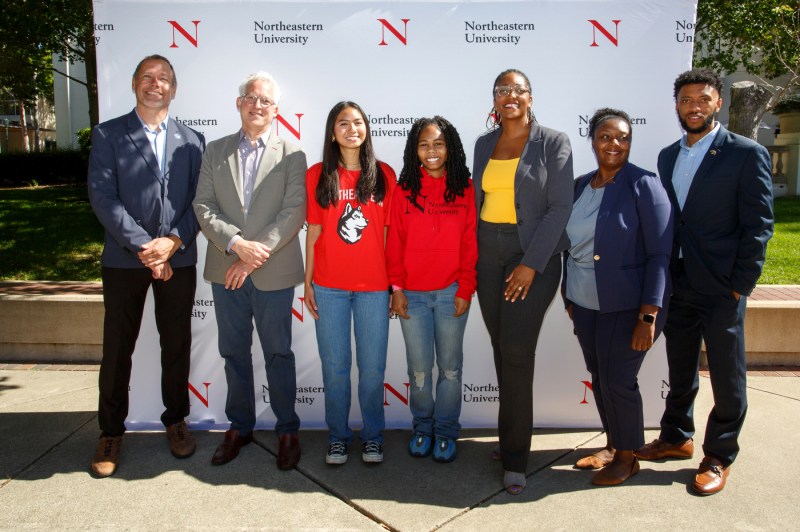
229 448
288 451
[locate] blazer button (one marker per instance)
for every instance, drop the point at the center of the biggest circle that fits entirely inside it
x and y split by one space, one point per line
596 257
519 222
516 205
683 223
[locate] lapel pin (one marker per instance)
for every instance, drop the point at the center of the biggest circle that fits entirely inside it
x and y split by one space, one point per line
178 136
712 152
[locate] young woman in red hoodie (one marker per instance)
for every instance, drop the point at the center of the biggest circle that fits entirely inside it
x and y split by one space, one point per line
431 251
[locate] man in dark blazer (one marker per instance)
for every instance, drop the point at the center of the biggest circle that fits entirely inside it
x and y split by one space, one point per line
720 185
251 205
143 171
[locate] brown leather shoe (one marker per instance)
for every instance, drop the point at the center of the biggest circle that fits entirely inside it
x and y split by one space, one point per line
711 476
229 448
288 451
618 471
106 456
597 460
181 442
658 449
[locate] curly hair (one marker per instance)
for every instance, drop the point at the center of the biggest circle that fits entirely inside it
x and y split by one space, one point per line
698 75
371 181
493 120
456 171
607 113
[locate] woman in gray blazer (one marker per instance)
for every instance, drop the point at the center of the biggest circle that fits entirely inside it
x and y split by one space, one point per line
523 181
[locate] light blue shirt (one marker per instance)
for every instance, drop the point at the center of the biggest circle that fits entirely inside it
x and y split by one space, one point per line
687 163
250 157
581 282
158 140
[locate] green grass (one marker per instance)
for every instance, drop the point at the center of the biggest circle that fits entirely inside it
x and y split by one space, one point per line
783 251
49 233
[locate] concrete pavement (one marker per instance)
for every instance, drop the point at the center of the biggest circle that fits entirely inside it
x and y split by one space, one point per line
48 431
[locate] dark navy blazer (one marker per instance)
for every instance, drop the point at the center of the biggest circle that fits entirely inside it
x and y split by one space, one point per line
632 242
727 219
134 201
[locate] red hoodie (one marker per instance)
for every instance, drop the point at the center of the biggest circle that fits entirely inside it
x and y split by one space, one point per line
432 244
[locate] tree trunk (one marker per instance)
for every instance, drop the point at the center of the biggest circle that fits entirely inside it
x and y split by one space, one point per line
748 104
23 126
35 117
90 63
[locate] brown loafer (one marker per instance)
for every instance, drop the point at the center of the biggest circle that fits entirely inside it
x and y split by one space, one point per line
288 451
181 442
711 476
658 449
106 456
229 448
611 476
597 460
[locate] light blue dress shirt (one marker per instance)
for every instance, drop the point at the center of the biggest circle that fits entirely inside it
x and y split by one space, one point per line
687 163
581 282
158 140
250 157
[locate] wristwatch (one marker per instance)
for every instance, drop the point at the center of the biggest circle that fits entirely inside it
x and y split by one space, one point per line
647 318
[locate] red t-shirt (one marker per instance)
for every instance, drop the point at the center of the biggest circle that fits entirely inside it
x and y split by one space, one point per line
349 253
432 244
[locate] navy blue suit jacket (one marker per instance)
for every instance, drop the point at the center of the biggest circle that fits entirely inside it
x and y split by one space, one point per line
632 241
727 219
134 201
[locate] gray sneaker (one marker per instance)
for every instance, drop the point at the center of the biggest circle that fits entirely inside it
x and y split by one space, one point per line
371 452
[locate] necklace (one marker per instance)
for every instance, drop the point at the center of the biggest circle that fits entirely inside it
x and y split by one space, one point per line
598 182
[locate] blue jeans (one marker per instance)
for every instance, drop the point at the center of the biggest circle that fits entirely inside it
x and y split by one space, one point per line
370 312
272 310
431 325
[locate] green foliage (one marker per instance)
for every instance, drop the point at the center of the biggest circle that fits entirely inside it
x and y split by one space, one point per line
787 104
85 139
760 36
49 233
47 167
783 251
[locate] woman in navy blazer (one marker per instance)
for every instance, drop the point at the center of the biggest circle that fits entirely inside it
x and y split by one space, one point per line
616 285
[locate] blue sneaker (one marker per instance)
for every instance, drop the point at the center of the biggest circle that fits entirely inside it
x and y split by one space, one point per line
420 445
445 449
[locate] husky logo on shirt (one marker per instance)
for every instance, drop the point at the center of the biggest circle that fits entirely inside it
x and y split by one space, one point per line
351 224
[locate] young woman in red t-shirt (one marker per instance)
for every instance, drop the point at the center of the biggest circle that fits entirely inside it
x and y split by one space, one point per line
431 251
349 195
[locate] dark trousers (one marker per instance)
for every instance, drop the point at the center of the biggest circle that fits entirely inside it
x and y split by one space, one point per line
236 311
719 320
605 340
514 332
124 293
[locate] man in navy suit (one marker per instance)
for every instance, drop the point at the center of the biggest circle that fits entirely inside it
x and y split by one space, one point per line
720 185
143 172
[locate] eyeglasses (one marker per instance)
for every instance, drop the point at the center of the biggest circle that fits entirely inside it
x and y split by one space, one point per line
251 99
506 90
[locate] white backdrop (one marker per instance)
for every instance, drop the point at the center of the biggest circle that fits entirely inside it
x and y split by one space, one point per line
401 61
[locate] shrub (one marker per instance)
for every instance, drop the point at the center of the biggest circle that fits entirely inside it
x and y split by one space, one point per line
44 168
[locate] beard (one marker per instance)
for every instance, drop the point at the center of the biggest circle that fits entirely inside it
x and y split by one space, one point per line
704 127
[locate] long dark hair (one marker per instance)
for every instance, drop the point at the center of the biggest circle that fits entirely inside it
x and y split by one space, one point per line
371 181
493 120
457 173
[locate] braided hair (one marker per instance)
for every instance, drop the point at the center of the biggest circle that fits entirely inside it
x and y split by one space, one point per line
371 181
457 175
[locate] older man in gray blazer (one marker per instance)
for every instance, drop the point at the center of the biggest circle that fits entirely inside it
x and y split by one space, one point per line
251 204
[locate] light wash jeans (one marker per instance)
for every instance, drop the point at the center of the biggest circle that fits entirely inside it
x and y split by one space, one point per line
431 325
370 313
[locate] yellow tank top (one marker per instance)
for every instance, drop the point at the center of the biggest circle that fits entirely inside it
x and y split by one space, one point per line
498 188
